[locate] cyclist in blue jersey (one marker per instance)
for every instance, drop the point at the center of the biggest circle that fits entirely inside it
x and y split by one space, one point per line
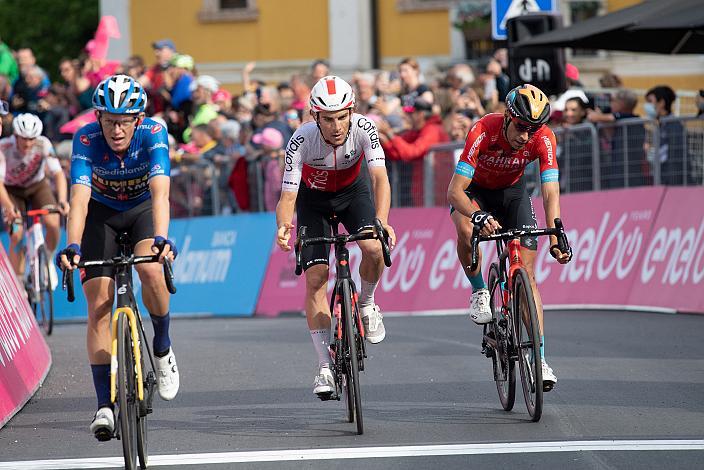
120 182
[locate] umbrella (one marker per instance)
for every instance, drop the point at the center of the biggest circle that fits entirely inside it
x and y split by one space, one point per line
682 26
669 27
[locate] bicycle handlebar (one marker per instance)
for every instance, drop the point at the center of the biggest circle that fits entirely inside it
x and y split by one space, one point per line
302 241
559 231
46 210
67 281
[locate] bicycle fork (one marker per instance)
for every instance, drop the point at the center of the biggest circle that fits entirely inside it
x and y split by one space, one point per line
132 322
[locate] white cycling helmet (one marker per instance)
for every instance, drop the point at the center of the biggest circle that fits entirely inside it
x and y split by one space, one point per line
331 93
27 125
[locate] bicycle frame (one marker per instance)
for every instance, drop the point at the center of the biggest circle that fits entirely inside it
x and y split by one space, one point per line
34 238
125 299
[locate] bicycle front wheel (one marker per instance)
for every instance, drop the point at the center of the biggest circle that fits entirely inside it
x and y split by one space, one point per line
349 347
527 331
45 306
504 366
142 411
126 393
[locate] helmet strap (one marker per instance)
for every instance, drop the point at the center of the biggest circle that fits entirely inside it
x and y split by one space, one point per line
504 127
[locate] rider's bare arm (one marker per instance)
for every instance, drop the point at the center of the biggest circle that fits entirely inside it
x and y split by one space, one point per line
382 192
456 196
159 188
80 197
61 186
284 218
551 205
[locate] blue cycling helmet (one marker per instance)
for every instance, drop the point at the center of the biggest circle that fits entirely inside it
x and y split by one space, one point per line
120 94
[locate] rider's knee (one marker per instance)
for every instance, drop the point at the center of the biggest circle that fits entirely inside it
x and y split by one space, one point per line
52 222
316 277
371 251
150 274
99 307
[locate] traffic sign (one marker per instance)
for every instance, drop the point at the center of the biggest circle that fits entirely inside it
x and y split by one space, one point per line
502 10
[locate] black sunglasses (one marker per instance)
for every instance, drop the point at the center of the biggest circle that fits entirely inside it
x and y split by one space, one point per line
526 128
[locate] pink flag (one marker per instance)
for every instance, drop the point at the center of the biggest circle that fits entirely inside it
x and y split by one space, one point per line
108 27
86 117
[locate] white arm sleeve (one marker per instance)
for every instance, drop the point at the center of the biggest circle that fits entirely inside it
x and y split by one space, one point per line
293 163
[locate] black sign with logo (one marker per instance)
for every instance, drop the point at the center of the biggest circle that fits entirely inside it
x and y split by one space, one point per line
543 67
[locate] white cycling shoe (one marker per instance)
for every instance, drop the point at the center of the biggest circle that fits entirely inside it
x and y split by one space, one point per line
103 425
324 383
167 375
373 321
479 308
549 379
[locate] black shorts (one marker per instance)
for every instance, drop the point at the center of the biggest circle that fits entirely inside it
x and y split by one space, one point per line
352 206
511 207
102 226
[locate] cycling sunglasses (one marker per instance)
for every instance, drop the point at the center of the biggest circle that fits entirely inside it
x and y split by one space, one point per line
522 127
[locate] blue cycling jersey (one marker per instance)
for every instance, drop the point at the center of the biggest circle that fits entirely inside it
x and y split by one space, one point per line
120 182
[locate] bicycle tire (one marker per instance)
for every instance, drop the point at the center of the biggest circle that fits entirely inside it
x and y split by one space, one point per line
350 348
46 295
504 366
349 394
126 393
142 419
527 334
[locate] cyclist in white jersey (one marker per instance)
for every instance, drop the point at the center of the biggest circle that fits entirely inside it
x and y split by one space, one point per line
27 158
321 178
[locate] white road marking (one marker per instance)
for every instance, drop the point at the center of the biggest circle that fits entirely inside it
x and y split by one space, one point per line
366 453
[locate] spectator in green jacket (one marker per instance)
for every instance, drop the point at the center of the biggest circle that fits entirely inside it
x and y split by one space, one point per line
203 89
8 64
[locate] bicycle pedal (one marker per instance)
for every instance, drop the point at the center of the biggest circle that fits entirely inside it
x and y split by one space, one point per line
548 386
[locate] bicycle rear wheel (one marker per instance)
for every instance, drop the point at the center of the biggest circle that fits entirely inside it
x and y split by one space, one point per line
504 366
126 393
350 350
527 330
45 306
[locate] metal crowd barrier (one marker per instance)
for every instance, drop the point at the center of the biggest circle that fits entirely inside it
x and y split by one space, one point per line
194 189
623 154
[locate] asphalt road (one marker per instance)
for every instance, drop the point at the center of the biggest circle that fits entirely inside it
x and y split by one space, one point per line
630 394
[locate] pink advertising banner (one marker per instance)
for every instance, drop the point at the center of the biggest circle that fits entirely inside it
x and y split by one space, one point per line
24 356
671 272
628 248
608 232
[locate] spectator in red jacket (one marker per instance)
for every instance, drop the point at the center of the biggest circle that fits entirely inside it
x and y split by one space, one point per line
411 146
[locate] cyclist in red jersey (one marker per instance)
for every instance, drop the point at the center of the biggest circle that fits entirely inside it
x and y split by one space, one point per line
488 189
322 177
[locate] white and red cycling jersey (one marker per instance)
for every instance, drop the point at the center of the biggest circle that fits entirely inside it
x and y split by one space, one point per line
25 170
326 168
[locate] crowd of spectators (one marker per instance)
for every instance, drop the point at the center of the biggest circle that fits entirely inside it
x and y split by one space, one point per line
227 151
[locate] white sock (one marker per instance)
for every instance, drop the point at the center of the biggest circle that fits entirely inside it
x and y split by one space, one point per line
321 341
366 294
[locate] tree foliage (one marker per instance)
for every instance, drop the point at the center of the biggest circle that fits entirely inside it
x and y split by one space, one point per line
53 29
